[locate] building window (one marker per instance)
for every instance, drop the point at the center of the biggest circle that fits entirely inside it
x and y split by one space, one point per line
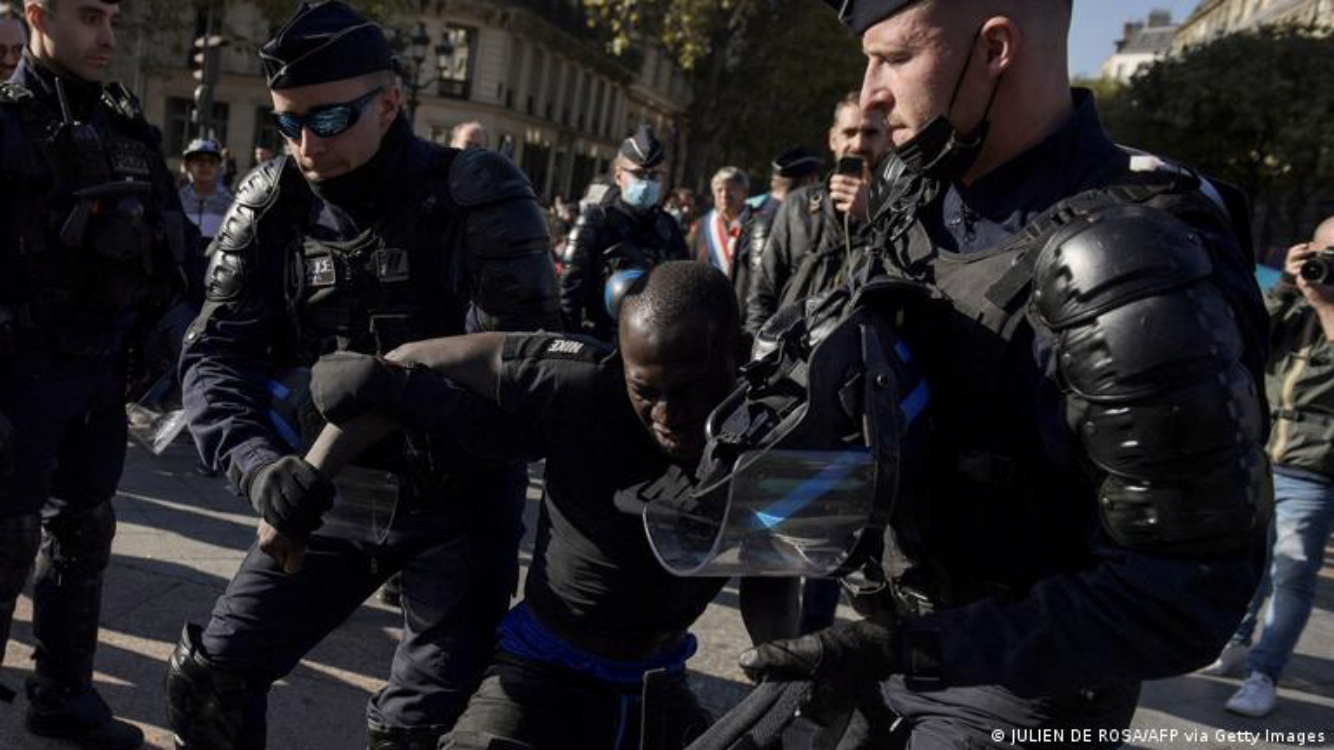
536 159
454 56
554 81
536 67
567 104
178 128
585 99
515 74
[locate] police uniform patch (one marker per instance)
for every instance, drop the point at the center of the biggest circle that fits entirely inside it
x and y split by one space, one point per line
128 158
391 265
321 271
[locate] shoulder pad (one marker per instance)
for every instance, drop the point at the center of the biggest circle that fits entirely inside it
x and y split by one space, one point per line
261 186
14 93
477 177
1109 258
258 192
592 216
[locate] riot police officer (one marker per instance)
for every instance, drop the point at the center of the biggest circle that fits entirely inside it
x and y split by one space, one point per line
1097 489
93 235
364 238
626 232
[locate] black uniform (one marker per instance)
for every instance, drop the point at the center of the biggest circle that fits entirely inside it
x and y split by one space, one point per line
595 654
79 279
419 242
618 238
806 251
1097 487
608 238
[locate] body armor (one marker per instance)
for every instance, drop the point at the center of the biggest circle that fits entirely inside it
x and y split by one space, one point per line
607 240
1162 419
108 236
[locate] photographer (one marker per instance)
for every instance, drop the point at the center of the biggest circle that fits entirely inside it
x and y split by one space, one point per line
1301 446
807 246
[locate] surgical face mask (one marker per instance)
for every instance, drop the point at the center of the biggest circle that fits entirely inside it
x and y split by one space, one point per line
642 193
938 150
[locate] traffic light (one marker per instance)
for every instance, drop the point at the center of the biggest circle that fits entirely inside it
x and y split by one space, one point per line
205 69
205 61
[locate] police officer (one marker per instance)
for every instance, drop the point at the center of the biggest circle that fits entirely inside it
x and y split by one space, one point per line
364 238
594 657
1098 487
626 232
92 239
809 240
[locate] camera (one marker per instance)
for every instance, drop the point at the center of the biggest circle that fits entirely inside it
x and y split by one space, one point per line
1319 268
850 166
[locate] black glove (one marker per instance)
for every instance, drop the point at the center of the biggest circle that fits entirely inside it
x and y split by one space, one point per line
291 495
346 385
6 447
841 660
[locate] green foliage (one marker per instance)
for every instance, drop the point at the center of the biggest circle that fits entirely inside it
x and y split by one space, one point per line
278 11
765 73
1255 109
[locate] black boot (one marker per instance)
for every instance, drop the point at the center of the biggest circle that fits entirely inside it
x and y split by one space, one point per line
80 716
384 737
391 592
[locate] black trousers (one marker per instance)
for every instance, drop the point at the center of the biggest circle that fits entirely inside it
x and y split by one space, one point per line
982 718
530 705
459 573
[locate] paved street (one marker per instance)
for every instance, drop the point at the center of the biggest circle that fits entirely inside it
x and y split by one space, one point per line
181 536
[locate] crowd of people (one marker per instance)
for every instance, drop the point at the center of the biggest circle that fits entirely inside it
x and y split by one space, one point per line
999 383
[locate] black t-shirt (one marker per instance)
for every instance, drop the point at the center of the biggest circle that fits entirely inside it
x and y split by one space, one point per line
592 572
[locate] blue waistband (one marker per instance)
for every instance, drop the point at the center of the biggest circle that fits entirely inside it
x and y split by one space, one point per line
522 635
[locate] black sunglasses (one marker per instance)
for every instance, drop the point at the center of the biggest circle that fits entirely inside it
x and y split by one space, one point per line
325 121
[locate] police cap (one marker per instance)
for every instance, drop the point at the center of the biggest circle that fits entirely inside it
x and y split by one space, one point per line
860 15
796 163
322 42
642 149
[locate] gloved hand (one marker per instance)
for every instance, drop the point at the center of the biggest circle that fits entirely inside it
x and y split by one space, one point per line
6 447
346 385
841 660
291 495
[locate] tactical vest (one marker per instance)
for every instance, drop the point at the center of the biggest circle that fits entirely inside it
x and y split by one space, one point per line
400 280
1002 504
91 247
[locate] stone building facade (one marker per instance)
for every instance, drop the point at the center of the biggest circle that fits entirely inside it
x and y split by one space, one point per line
1214 18
530 70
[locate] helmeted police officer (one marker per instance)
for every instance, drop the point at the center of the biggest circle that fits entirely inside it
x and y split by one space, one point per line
626 233
1097 490
93 236
364 238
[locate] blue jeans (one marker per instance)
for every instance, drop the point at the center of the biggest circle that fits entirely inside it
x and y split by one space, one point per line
1303 518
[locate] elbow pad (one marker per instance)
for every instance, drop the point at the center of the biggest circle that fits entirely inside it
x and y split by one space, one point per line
1150 359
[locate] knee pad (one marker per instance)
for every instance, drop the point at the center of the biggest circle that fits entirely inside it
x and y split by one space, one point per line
78 544
206 705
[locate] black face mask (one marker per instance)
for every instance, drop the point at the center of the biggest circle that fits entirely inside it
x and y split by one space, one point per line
938 151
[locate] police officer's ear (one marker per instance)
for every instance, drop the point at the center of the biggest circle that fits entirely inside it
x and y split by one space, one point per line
999 41
390 102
